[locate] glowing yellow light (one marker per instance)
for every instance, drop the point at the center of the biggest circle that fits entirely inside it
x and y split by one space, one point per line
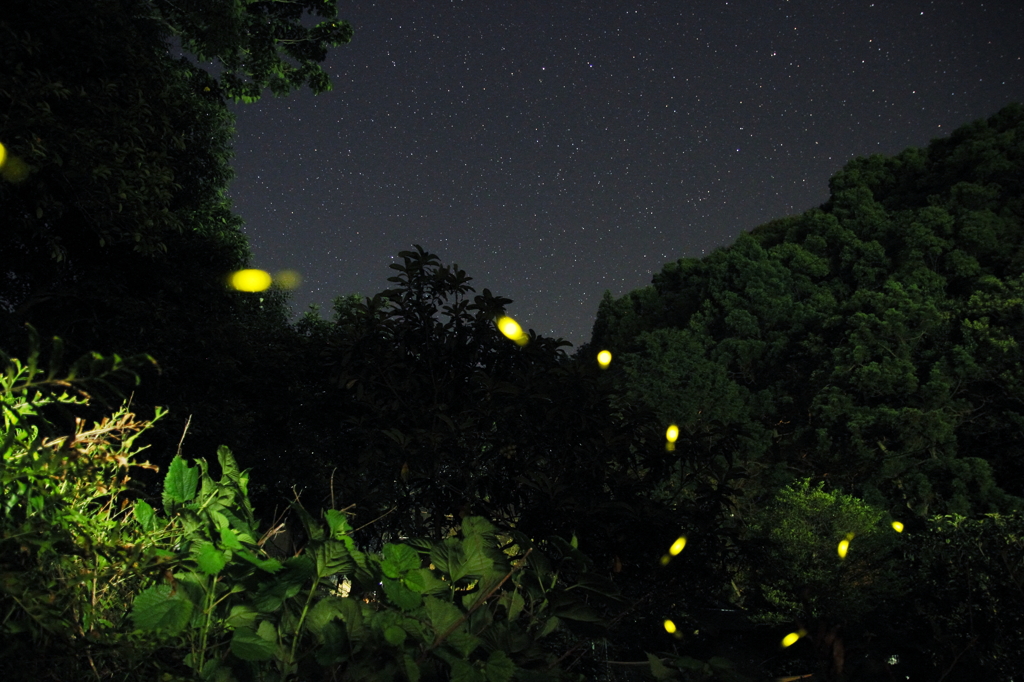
844 547
670 627
677 546
288 279
250 280
671 434
791 638
604 358
511 329
665 558
897 526
12 168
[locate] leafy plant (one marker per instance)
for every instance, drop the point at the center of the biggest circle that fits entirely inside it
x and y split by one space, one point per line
477 606
69 556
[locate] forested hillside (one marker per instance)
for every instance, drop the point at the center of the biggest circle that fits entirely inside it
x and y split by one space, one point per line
872 343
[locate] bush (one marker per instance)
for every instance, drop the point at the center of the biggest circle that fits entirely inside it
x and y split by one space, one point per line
96 584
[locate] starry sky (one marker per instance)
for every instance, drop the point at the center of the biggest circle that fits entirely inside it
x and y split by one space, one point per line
558 149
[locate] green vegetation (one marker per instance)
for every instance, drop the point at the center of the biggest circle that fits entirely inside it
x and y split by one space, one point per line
403 493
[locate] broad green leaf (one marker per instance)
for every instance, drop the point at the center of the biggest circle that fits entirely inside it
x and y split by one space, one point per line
465 672
333 644
500 667
160 608
394 635
400 595
268 565
229 538
228 465
659 669
477 526
549 627
516 603
352 613
412 671
415 581
322 613
460 559
338 523
249 646
398 559
332 557
442 614
241 615
431 583
272 593
463 642
210 560
180 483
145 515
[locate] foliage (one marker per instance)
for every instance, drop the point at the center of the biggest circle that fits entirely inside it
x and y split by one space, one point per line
259 45
205 597
471 607
871 342
438 416
967 619
799 567
120 237
69 556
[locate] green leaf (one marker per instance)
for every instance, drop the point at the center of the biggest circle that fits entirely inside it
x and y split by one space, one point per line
659 669
241 615
394 635
442 614
412 671
431 584
338 523
180 483
398 559
228 465
500 667
464 672
210 560
477 526
549 627
145 515
229 538
268 565
250 646
323 612
400 595
460 560
160 608
332 557
273 593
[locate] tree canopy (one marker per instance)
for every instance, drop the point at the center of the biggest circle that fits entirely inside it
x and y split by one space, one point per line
873 342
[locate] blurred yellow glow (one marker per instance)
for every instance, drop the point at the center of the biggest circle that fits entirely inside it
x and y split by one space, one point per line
511 329
288 279
665 558
604 358
12 168
791 638
677 546
672 433
897 526
250 280
670 627
844 547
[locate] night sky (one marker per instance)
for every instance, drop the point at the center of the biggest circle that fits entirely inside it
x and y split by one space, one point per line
555 150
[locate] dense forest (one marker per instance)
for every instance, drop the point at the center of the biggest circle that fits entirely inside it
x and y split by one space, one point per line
804 457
